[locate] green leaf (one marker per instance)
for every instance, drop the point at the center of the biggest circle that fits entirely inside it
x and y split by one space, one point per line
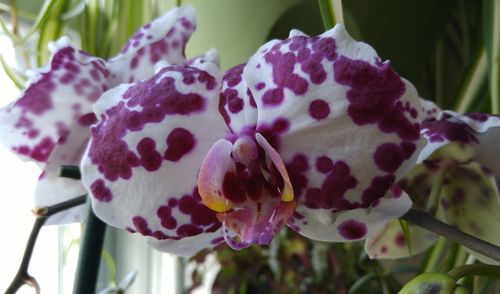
50 30
492 39
361 283
45 12
326 8
15 77
472 83
22 13
110 265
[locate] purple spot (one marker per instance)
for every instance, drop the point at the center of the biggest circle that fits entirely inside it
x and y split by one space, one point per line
87 119
100 191
150 158
377 189
389 157
352 229
333 189
180 142
400 240
273 97
324 164
319 109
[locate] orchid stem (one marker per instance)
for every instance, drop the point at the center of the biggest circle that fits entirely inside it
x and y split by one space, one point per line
87 271
485 270
427 221
42 214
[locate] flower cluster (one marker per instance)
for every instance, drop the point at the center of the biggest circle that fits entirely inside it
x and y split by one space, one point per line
311 132
456 180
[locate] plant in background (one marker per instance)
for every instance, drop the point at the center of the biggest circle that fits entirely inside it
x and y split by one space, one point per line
312 132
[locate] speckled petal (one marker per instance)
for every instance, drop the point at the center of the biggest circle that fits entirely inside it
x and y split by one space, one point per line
211 55
163 39
51 188
236 103
56 97
478 131
470 201
142 163
346 125
355 224
429 109
390 241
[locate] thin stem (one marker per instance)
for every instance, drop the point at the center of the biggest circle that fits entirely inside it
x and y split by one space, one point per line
14 18
432 263
480 269
495 59
326 9
437 186
427 221
89 259
42 214
178 3
474 79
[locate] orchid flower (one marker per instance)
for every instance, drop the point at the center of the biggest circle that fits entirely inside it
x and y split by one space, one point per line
49 123
459 166
312 132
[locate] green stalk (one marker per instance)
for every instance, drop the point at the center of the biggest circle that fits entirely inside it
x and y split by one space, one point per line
327 14
485 270
435 194
431 264
89 259
472 83
495 58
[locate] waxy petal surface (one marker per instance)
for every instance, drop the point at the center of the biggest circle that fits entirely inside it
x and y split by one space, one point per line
57 96
164 39
478 130
471 202
390 241
236 103
142 164
355 224
346 125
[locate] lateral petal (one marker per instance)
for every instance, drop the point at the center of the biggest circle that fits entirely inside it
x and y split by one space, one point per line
142 163
56 97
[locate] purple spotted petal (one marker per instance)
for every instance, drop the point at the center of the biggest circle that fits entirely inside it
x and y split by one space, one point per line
346 125
236 103
57 97
390 241
470 201
163 39
51 188
479 131
429 109
211 56
142 163
351 225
